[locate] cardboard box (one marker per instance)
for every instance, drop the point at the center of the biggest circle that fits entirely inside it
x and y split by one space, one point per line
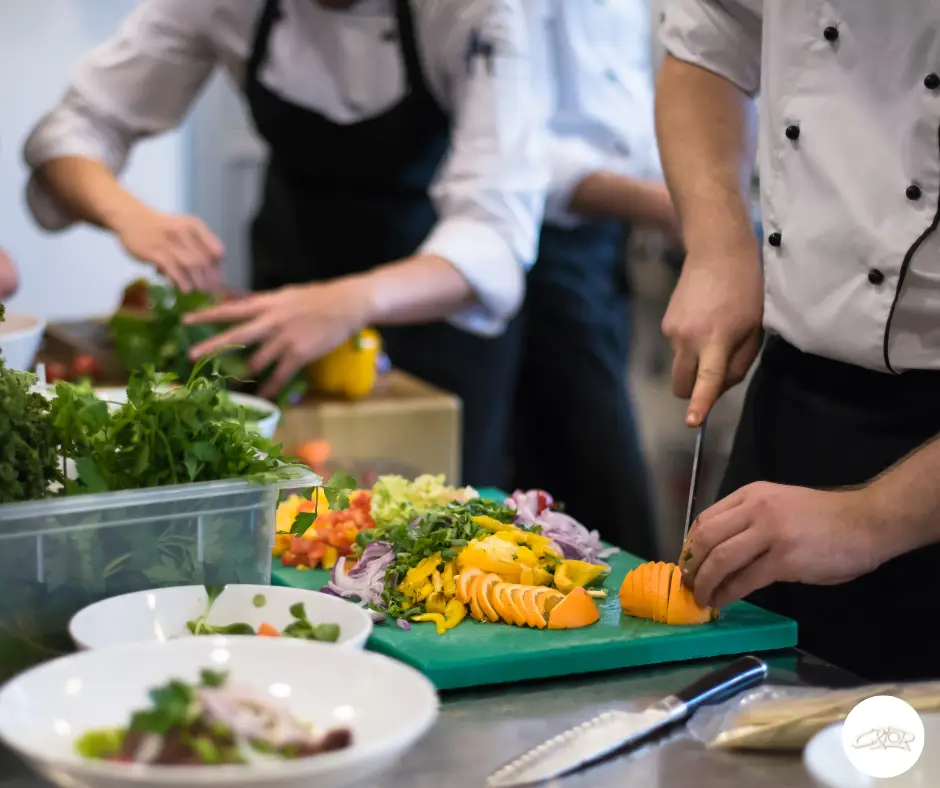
403 419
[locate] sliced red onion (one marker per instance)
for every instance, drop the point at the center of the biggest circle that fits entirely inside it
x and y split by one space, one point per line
569 537
377 616
402 624
365 582
151 745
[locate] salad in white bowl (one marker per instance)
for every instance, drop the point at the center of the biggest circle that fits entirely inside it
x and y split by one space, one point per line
216 711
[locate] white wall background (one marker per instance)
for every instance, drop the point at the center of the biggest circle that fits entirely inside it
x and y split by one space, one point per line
80 272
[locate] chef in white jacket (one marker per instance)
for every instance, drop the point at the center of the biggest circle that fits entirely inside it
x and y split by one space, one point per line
404 186
575 432
831 492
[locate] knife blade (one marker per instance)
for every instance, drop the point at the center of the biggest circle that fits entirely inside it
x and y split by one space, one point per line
693 484
613 731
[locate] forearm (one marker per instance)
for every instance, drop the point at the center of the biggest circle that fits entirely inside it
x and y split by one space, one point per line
418 289
89 191
608 195
706 143
903 504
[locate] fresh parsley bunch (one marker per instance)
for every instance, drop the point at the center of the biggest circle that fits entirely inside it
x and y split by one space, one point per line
29 459
160 436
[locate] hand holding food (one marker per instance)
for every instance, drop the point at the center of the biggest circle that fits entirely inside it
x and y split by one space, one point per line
291 326
182 248
767 533
713 323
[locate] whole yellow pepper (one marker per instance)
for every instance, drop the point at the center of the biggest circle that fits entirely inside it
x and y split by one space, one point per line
352 369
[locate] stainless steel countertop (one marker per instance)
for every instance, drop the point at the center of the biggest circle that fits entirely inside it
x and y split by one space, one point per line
481 729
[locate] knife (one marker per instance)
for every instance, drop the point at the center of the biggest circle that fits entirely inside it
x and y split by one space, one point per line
612 731
693 484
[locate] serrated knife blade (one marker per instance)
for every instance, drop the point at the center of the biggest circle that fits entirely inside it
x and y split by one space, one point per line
613 731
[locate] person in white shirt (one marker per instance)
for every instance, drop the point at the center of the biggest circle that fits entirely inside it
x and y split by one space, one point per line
829 502
575 431
404 187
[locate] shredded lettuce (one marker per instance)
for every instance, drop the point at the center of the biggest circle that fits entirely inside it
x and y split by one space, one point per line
396 500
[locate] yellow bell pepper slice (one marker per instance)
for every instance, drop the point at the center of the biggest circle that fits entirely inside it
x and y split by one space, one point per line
492 524
330 557
435 618
436 603
449 580
573 574
454 613
351 370
425 591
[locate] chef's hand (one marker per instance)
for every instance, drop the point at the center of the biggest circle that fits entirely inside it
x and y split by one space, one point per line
182 248
713 323
9 277
293 326
766 533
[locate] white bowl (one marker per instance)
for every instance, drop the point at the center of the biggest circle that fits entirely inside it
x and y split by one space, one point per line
20 337
829 766
388 706
266 426
161 615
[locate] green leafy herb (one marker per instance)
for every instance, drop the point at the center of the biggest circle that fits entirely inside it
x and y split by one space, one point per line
687 556
211 678
29 458
174 705
442 530
337 490
302 629
162 340
259 600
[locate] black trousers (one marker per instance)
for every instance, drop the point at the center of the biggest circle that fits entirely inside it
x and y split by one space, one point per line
575 432
818 423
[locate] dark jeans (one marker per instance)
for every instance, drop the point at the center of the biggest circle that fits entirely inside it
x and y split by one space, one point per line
575 433
813 422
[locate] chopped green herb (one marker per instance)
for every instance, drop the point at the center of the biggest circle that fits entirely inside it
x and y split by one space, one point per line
259 600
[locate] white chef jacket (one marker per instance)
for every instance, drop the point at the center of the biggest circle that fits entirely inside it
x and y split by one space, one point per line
595 79
346 65
849 160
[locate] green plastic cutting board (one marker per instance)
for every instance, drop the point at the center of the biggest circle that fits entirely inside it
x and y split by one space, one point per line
477 654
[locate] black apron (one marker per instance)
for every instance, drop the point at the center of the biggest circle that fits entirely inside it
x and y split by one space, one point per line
341 199
575 432
814 422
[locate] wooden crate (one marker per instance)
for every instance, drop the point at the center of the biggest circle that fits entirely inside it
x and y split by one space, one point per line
403 419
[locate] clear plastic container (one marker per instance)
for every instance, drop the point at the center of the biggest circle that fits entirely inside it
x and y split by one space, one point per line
59 555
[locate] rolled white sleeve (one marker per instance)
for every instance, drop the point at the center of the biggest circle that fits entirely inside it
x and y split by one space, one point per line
490 190
722 37
138 84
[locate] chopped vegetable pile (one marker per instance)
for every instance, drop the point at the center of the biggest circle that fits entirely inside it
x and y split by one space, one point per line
212 723
438 554
300 628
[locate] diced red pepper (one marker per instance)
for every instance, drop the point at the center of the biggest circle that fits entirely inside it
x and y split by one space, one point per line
290 559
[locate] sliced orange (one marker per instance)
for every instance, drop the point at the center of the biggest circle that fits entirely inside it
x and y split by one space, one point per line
664 578
515 604
531 609
546 599
463 584
575 611
476 610
501 602
482 588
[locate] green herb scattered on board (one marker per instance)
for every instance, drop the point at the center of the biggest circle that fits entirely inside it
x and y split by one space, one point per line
443 529
687 556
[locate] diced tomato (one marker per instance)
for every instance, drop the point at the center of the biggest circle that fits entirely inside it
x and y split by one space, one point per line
290 559
317 550
267 631
300 545
56 371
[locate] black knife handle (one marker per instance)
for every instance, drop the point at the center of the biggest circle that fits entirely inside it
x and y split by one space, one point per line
723 683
